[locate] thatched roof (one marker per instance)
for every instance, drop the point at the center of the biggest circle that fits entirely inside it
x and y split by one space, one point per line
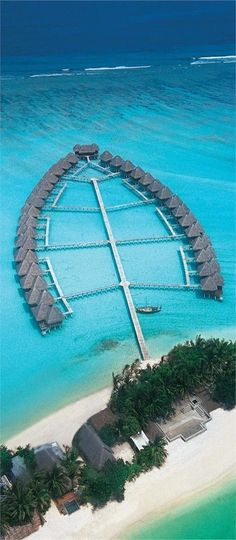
30 210
180 210
208 284
22 254
146 180
46 298
35 269
40 312
76 148
53 176
65 165
29 244
22 268
116 162
86 149
137 173
106 156
210 251
23 238
187 220
219 280
33 296
154 187
29 281
164 194
204 269
91 447
215 267
71 158
202 256
48 455
42 193
200 242
173 202
37 202
29 221
47 186
27 231
102 418
194 230
54 316
127 167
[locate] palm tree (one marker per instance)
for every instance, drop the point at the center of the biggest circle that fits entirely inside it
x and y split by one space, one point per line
40 493
57 481
71 464
20 503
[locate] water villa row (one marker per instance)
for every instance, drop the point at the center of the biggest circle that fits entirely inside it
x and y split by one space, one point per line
32 225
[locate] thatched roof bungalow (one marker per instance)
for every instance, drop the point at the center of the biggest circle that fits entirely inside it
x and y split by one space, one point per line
208 284
103 418
22 254
54 175
137 173
180 210
215 267
35 269
54 317
33 296
30 210
29 281
194 230
71 158
146 180
105 157
187 220
116 162
91 447
22 268
48 455
204 269
201 242
202 256
173 202
26 241
37 202
46 297
127 167
27 231
29 221
63 164
86 150
154 187
219 280
40 312
164 193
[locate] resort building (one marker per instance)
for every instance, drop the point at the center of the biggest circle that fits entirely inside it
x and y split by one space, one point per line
91 447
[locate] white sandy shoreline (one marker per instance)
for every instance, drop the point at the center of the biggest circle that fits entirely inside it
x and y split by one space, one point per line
190 469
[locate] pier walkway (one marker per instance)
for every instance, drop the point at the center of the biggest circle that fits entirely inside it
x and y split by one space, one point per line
124 283
60 295
166 222
185 266
71 208
179 286
102 243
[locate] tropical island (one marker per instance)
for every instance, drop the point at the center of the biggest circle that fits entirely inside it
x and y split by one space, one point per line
143 413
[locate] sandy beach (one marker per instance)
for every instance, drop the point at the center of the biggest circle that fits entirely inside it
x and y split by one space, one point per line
190 469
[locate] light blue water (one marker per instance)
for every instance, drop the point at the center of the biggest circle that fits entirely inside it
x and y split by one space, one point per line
174 120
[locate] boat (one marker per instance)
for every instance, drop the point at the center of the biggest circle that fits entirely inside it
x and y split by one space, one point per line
148 309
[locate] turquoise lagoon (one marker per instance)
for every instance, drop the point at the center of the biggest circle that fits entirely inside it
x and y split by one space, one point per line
176 121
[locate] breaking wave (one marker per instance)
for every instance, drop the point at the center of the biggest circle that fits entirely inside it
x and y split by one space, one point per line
115 67
214 59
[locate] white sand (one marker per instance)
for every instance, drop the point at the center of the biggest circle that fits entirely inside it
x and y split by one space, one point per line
190 469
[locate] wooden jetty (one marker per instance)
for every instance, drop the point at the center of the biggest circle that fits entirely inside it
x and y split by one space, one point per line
166 222
185 266
123 283
55 284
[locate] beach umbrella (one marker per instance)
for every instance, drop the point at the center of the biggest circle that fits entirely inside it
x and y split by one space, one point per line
106 157
127 167
137 173
154 187
208 284
163 194
146 180
116 162
193 231
54 316
187 220
173 202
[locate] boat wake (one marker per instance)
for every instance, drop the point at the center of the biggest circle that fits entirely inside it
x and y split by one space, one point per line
115 68
214 59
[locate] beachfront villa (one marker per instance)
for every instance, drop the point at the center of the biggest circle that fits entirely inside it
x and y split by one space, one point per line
48 303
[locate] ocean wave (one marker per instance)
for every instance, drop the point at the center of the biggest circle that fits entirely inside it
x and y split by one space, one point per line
227 59
52 75
115 68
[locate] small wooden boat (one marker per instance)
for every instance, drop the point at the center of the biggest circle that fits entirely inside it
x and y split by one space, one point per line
148 309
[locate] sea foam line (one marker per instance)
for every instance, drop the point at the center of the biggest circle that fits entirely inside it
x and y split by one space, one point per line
115 67
215 59
51 75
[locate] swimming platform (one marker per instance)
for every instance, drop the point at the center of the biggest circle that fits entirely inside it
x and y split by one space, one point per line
48 304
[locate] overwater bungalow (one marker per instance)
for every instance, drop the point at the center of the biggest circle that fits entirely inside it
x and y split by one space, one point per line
105 157
29 221
46 297
173 202
35 269
210 251
53 176
22 254
22 268
187 220
208 284
40 311
91 447
116 162
146 180
33 296
194 230
204 269
63 164
202 256
215 267
27 231
219 280
30 210
41 193
71 158
47 186
86 150
137 173
25 240
154 187
164 194
54 317
37 202
127 167
201 242
180 211
29 281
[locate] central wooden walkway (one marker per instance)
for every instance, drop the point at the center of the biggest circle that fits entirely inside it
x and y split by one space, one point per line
124 283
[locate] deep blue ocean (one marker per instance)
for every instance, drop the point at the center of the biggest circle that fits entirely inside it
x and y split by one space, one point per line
175 118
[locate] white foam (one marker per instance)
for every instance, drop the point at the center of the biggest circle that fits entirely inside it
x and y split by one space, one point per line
115 68
227 59
51 75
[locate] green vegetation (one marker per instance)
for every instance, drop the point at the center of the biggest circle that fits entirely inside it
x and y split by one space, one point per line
5 460
153 392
